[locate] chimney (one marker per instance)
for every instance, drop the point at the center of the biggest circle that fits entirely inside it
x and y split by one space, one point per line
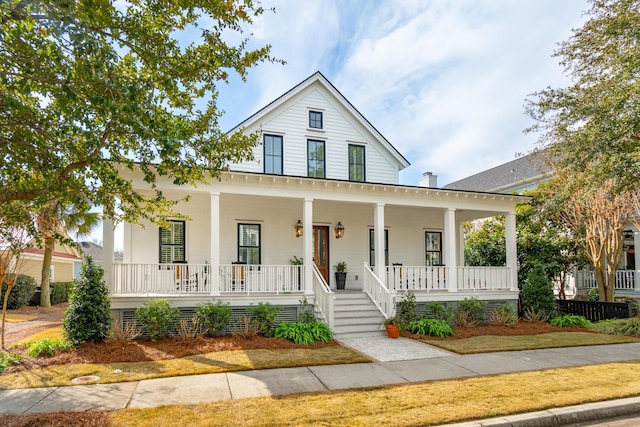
428 180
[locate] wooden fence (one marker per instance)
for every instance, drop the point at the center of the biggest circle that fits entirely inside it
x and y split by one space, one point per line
595 310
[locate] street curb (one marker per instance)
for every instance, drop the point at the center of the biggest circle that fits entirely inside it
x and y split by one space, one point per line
562 416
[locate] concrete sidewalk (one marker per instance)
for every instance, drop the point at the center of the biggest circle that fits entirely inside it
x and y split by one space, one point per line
432 364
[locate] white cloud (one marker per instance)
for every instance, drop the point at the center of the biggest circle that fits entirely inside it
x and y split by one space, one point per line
444 81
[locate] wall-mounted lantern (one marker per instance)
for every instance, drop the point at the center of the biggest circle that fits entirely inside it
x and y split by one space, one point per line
339 230
298 229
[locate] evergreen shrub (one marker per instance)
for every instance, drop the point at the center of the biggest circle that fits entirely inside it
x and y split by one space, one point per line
88 317
21 292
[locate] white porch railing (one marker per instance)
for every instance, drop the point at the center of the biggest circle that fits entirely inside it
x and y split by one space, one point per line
248 279
417 278
324 297
179 279
379 294
626 280
483 278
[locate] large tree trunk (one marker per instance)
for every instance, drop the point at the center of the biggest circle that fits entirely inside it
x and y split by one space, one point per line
45 300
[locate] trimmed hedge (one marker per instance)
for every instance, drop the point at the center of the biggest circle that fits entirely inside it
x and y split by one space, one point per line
21 292
60 292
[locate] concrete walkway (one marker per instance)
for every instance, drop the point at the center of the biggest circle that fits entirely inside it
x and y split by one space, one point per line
399 361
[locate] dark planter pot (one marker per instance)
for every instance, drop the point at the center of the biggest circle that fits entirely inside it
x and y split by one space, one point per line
341 278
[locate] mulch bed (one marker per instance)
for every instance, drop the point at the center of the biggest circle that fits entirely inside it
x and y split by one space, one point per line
520 328
140 350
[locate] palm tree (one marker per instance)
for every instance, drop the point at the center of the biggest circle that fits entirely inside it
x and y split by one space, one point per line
54 221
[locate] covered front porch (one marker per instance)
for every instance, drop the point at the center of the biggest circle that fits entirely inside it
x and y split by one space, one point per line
245 230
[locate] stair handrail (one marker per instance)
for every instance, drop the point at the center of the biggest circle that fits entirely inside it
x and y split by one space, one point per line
382 298
324 297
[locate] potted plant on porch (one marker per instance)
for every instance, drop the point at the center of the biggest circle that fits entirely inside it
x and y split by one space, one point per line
298 262
393 325
341 274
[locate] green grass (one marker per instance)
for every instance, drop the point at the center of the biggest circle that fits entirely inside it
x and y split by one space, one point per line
428 403
491 343
216 362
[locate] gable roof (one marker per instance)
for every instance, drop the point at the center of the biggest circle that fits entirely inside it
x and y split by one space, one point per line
527 169
96 252
318 77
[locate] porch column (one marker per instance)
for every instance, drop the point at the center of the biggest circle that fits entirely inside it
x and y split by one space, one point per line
511 245
107 252
214 242
378 231
307 235
636 258
450 245
461 243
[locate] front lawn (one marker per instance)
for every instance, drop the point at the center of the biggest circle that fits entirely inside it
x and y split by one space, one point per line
493 343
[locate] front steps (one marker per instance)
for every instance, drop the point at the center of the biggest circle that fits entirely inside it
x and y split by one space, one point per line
355 316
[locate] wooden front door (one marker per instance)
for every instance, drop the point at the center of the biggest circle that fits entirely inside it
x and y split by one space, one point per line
321 250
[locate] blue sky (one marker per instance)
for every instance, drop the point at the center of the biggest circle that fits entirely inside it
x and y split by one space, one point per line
444 81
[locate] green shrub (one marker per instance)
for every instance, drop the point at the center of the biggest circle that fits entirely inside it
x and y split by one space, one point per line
305 312
537 292
432 327
88 317
609 326
9 359
214 316
569 321
21 292
60 292
593 294
473 307
407 309
631 326
157 317
47 347
264 316
438 310
304 333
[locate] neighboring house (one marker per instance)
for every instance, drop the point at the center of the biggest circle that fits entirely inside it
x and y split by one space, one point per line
526 173
95 251
63 259
324 187
516 176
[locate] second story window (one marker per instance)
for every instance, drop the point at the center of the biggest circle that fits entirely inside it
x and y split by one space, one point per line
315 119
315 159
356 163
273 154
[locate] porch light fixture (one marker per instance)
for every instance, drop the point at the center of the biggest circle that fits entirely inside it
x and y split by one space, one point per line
339 230
298 229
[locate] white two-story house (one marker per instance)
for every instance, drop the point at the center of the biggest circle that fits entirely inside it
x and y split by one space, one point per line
324 187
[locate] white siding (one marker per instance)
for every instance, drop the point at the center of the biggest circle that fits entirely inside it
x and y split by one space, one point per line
340 129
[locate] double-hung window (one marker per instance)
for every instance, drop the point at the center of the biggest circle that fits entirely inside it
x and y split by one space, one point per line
249 243
356 163
172 243
273 154
315 159
315 119
372 247
433 247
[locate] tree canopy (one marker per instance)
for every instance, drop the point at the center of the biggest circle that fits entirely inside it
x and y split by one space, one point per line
591 128
542 240
591 132
89 86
